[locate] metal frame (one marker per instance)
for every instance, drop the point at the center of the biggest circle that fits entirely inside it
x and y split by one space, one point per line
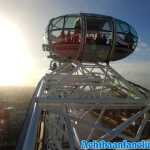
88 101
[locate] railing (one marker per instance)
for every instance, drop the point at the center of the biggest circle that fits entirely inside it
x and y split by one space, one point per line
27 140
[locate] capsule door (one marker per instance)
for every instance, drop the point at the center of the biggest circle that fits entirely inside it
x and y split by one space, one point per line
98 38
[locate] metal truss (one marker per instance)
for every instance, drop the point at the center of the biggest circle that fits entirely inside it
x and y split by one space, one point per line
91 83
90 101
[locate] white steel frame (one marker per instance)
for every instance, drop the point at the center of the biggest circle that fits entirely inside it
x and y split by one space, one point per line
75 92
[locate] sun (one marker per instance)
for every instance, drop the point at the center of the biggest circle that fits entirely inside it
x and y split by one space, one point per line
16 63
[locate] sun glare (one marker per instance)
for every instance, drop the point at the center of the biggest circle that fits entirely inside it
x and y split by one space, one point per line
15 61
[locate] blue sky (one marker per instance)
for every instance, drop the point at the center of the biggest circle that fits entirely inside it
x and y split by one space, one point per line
32 16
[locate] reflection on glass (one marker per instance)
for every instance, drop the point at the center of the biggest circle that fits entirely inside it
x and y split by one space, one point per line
66 40
69 34
99 31
57 23
98 38
126 36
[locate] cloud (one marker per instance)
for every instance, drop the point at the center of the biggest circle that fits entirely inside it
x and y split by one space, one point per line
136 67
137 72
143 46
141 53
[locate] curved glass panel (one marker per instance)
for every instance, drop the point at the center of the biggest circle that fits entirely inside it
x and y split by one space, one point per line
122 27
57 23
135 36
65 36
72 30
132 30
72 22
125 38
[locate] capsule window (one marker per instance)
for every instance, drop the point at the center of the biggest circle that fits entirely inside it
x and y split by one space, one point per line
57 36
99 31
122 27
72 30
58 23
72 22
125 38
135 37
65 36
132 30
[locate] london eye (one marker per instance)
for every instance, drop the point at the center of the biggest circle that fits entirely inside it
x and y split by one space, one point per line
83 97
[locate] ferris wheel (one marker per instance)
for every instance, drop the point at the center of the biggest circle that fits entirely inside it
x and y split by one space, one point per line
83 97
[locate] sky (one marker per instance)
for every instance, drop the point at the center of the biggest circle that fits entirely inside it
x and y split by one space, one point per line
23 23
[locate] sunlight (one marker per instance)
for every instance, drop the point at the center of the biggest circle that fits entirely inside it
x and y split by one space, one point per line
15 62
